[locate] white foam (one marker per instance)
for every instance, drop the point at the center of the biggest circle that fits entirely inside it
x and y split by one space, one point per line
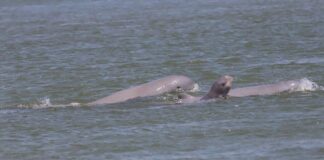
46 103
321 88
305 84
195 88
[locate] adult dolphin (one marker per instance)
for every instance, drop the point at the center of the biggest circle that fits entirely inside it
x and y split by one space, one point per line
219 89
269 89
156 87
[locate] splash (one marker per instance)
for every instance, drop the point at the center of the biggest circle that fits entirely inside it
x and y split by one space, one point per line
305 84
46 103
195 88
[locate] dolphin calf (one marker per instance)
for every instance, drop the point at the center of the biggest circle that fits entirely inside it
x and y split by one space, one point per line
219 89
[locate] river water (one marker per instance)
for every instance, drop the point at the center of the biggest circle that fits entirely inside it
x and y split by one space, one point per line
78 51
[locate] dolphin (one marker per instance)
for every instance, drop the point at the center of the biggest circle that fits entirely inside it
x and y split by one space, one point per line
219 89
155 87
270 89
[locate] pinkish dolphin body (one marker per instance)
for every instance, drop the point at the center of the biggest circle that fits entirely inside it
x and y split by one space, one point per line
269 89
156 87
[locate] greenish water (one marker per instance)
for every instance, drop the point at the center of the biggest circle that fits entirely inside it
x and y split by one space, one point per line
79 51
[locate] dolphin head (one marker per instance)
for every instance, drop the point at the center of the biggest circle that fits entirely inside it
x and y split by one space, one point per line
221 87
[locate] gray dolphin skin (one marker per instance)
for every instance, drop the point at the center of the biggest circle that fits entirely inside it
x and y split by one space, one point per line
267 89
219 89
155 87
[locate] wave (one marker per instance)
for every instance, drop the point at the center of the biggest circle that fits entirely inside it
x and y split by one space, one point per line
46 103
9 111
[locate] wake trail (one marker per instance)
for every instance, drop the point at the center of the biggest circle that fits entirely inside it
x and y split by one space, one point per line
46 103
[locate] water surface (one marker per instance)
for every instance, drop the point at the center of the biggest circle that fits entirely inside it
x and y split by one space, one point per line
78 51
